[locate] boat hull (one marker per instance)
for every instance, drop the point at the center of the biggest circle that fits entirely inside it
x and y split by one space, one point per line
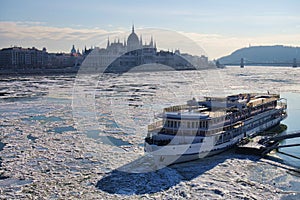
167 160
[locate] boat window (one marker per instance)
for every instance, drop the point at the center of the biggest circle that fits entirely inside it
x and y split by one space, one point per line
193 124
188 124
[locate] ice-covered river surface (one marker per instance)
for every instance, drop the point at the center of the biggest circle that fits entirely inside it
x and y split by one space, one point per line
81 136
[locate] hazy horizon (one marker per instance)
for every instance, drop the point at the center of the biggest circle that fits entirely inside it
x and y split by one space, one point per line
219 27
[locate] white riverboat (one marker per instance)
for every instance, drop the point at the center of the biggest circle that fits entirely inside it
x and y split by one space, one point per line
204 128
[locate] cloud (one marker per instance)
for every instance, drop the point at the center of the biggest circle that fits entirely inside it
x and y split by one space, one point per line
56 39
37 30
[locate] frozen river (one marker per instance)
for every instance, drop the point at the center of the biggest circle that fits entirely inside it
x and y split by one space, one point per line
82 137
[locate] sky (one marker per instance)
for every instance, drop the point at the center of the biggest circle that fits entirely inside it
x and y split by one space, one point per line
217 26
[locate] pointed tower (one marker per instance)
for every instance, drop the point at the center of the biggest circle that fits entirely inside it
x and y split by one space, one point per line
151 42
141 40
108 43
73 50
132 28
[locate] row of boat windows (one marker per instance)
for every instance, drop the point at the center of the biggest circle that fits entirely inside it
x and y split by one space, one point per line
176 124
225 137
186 124
201 124
198 132
259 122
205 124
190 132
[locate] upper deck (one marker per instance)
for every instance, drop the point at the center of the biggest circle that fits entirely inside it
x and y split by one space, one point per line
214 107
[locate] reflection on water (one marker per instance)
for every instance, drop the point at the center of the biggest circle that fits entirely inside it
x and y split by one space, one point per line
292 122
113 141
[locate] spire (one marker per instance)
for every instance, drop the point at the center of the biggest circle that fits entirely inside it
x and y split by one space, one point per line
132 28
141 40
73 50
151 41
107 42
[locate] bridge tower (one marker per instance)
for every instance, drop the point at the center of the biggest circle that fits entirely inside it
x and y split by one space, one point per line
294 62
242 63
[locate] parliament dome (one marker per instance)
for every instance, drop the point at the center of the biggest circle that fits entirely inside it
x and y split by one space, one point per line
133 41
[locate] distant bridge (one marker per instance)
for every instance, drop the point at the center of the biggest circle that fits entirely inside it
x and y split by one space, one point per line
248 62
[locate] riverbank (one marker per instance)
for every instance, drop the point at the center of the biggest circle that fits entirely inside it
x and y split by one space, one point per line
42 72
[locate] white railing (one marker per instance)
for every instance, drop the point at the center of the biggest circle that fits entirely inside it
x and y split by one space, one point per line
155 125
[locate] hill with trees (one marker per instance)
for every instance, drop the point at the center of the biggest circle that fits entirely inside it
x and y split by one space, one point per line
266 55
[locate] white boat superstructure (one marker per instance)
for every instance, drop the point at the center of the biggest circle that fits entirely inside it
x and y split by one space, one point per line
203 128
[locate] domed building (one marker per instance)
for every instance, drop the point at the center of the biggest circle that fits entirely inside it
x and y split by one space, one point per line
133 41
122 56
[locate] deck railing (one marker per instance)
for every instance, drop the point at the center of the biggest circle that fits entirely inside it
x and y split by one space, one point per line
176 108
155 125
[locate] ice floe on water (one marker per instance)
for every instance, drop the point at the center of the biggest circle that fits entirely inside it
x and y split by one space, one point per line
71 138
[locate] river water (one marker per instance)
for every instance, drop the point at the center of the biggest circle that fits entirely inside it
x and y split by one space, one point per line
81 136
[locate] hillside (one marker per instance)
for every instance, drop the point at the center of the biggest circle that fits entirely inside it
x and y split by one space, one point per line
263 54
